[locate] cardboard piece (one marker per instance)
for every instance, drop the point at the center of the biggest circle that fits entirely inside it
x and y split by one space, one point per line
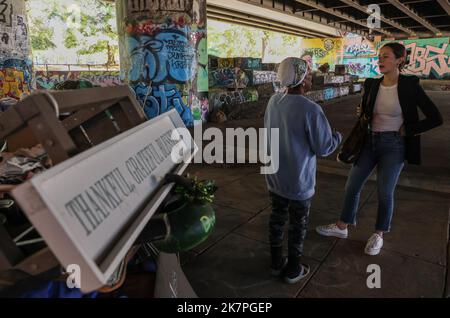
171 282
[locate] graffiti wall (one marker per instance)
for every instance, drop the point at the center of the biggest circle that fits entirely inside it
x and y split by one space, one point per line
220 99
321 51
164 55
15 54
429 58
360 56
357 46
47 80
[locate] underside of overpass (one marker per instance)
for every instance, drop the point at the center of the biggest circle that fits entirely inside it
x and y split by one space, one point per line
312 18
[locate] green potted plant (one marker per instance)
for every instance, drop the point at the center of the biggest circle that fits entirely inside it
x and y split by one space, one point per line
190 215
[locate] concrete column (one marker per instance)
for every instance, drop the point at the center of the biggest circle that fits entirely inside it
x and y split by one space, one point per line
163 55
15 51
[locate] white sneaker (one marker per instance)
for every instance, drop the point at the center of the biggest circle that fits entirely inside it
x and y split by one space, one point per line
374 245
332 230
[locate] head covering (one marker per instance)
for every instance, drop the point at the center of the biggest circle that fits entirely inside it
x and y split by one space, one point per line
292 72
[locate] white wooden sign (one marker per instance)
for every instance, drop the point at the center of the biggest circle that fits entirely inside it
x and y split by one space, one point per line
91 208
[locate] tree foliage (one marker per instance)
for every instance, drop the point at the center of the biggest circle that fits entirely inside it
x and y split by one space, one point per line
90 26
232 40
41 36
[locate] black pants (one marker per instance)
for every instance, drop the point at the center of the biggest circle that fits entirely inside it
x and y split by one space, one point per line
298 214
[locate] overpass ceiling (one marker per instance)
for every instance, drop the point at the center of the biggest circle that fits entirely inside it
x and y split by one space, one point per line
400 19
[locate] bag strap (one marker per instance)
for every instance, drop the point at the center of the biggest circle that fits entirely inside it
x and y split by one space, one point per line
368 99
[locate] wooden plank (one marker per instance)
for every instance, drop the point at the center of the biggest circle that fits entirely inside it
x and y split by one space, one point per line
38 263
51 134
86 113
121 118
80 140
47 133
10 254
10 121
100 128
133 111
28 108
73 100
22 138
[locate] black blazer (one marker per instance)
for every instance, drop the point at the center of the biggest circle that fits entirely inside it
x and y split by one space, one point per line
411 96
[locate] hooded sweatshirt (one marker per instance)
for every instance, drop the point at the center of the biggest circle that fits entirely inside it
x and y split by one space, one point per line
304 135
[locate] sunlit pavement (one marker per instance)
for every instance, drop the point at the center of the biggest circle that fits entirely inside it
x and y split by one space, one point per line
234 261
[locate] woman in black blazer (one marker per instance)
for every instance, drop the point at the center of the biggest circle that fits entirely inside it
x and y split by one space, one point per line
391 103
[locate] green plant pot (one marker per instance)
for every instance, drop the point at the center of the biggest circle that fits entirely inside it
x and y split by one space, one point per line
190 225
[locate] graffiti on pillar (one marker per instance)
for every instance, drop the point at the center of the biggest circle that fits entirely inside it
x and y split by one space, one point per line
15 78
137 8
166 55
167 59
15 60
428 58
162 98
202 59
6 13
5 39
13 31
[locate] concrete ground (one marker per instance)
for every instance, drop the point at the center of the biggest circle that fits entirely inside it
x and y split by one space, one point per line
234 262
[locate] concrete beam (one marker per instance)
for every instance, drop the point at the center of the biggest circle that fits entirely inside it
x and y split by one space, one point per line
445 5
338 13
411 13
255 9
355 4
247 18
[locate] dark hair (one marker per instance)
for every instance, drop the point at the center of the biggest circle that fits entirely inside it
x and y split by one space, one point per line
399 52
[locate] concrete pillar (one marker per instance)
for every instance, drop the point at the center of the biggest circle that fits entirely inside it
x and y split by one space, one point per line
163 55
15 51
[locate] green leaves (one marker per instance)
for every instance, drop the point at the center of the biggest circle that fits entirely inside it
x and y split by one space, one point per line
41 36
202 191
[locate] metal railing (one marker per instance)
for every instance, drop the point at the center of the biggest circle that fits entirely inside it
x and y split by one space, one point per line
75 67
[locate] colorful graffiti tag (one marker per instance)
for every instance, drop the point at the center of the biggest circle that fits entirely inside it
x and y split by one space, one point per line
262 77
428 58
221 99
160 99
355 47
48 80
165 56
15 54
321 51
363 67
227 77
15 79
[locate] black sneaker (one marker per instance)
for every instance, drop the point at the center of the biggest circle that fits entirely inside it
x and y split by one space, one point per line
292 274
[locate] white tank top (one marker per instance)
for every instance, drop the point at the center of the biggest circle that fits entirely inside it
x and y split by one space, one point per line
387 113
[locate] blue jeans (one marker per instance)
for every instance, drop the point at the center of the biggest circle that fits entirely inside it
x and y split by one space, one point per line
386 151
